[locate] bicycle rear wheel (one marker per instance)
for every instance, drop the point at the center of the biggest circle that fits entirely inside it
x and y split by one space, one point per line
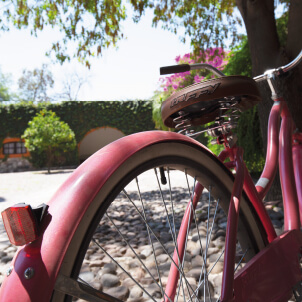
123 248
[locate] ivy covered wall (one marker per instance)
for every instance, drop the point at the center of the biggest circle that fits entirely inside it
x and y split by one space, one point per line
127 116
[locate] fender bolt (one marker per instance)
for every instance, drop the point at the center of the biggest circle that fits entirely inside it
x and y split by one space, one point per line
29 273
9 271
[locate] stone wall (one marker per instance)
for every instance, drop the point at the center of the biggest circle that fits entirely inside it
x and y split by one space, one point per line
15 165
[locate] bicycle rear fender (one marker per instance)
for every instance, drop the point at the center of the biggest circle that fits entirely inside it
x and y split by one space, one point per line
66 209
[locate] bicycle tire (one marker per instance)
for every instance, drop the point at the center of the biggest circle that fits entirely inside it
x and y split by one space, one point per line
201 166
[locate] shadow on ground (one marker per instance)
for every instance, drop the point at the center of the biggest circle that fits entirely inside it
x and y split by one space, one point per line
45 172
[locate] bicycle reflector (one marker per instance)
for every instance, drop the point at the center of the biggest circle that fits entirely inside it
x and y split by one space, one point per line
21 223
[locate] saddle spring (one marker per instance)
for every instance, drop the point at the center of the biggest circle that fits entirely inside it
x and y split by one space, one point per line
223 124
183 123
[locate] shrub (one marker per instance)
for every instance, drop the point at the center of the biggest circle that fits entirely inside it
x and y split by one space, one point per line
48 139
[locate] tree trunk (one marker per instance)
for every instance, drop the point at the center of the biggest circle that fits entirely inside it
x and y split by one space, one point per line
266 53
293 87
49 155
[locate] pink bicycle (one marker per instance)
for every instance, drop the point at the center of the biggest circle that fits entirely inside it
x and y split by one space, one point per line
157 216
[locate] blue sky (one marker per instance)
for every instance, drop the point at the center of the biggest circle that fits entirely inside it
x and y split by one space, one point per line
129 72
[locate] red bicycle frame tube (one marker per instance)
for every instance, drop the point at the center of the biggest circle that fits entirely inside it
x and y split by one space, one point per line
279 139
297 159
231 231
270 168
254 197
181 243
287 177
252 194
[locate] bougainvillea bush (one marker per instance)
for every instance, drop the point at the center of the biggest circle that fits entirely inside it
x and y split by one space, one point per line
216 57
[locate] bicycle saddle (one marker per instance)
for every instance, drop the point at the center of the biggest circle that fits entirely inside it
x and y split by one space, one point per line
205 101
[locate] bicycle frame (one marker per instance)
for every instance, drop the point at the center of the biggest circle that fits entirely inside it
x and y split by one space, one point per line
289 182
254 282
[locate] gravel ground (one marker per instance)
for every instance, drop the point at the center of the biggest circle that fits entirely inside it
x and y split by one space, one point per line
37 187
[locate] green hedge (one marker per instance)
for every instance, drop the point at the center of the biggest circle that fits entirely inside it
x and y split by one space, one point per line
127 116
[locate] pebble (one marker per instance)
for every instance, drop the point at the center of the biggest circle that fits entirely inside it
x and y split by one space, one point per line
162 258
159 251
195 273
218 267
213 258
134 263
147 280
87 276
154 290
4 244
128 282
121 292
136 292
197 261
213 250
96 263
109 268
146 252
109 280
7 258
138 273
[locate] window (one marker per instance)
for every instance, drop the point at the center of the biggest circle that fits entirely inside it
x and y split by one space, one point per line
14 148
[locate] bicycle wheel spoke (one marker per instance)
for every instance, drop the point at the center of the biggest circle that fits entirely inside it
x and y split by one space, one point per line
162 198
163 201
207 245
205 256
129 245
174 236
210 270
171 200
175 244
150 239
209 292
167 214
165 250
184 256
203 270
217 204
107 254
208 236
188 185
241 259
158 236
185 248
